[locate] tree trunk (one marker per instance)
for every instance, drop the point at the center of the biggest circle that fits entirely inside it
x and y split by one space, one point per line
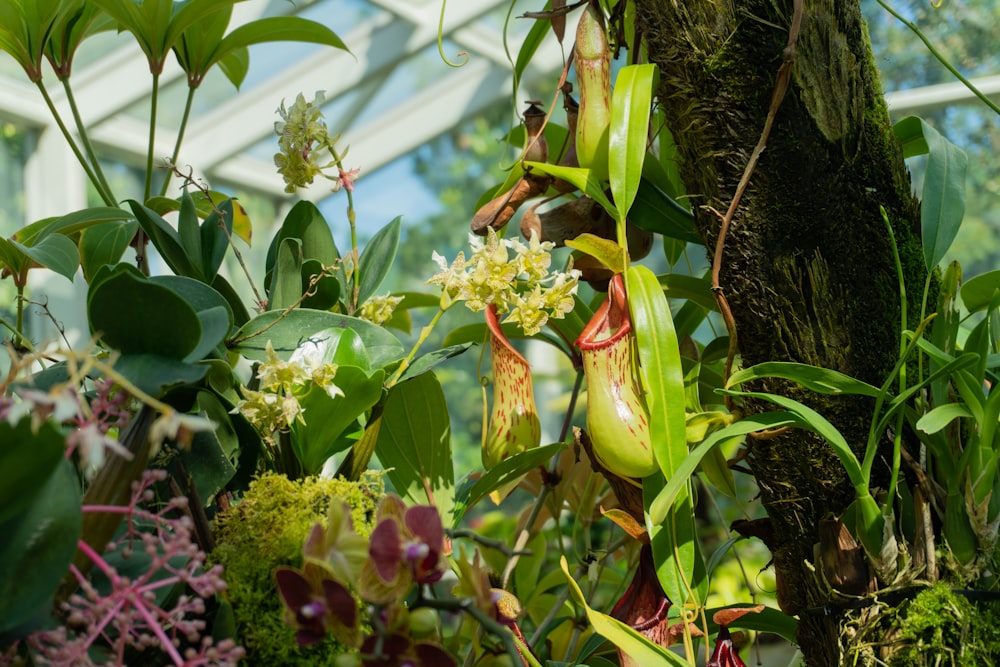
808 268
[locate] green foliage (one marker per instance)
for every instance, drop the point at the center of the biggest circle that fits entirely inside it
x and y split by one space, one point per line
939 627
267 529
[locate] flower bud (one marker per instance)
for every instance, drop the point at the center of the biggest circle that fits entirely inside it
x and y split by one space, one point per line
514 426
617 417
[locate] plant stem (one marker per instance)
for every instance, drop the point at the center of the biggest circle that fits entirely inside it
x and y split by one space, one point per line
941 59
153 101
405 363
102 185
352 302
72 144
188 103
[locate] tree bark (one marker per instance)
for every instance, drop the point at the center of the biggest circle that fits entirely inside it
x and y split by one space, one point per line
808 267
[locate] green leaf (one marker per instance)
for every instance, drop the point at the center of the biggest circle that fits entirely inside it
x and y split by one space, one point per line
188 231
663 374
641 650
667 496
104 244
287 331
675 549
943 195
305 222
426 362
766 620
690 288
215 238
820 380
166 241
286 279
155 374
377 258
55 252
414 444
27 459
37 547
70 223
608 253
979 292
502 474
812 420
630 108
582 178
211 458
327 418
941 416
157 320
197 57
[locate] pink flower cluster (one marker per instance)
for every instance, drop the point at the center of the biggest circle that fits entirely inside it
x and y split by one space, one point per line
137 614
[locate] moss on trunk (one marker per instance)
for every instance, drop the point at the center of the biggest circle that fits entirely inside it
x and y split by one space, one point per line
808 267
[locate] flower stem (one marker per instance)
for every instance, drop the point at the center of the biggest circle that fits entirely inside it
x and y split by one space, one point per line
424 333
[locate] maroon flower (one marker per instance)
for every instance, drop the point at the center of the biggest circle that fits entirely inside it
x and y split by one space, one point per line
318 605
407 544
397 650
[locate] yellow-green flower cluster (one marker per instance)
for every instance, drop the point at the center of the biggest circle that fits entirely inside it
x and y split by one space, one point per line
302 135
276 405
511 275
379 309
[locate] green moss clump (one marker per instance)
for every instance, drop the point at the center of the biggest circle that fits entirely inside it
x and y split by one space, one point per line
267 529
942 629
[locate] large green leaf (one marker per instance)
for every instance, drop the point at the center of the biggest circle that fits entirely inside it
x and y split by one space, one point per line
216 230
76 22
663 374
55 252
287 331
511 468
212 309
660 507
582 178
24 25
414 444
979 292
156 375
104 244
377 258
37 547
155 24
327 418
305 222
943 195
135 315
675 547
200 48
820 380
211 458
812 420
166 241
286 279
70 223
27 458
629 132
